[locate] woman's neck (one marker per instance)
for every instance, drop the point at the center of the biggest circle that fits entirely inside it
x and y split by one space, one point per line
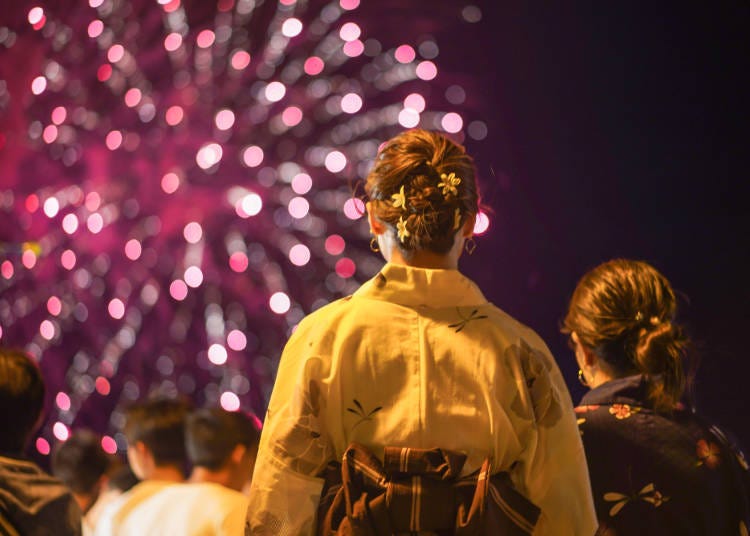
424 259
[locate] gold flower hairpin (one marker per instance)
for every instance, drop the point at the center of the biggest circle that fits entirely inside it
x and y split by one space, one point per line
449 183
456 219
399 199
401 229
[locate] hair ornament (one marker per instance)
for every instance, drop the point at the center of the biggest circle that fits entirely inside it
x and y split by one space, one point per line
449 183
639 316
654 320
399 199
456 219
401 229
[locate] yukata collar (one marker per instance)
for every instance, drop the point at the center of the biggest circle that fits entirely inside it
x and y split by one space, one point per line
631 390
406 285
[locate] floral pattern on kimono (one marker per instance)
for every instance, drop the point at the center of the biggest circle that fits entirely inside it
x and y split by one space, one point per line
545 399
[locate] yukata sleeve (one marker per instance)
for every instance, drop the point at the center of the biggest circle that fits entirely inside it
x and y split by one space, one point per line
552 470
294 447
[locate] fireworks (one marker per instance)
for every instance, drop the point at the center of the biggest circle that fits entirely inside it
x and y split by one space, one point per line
183 187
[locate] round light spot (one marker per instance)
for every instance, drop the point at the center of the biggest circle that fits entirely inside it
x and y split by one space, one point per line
354 48
345 267
170 182
193 276
209 155
205 39
68 259
60 431
229 401
193 232
6 269
354 208
335 244
238 262
298 207
54 305
28 259
172 42
405 54
174 115
38 85
224 119
102 385
36 14
95 29
51 207
58 115
70 223
452 122
113 140
251 204
217 354
335 161
133 97
349 4
240 60
291 116
178 289
292 27
416 102
279 303
482 223
115 53
350 31
47 330
252 156
133 249
236 340
109 445
63 401
116 308
275 91
408 118
427 70
314 65
477 130
299 255
301 183
351 103
95 222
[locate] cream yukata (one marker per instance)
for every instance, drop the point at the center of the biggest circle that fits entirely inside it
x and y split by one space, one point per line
419 358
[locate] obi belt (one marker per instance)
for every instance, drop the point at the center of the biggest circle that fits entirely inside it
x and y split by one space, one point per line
418 491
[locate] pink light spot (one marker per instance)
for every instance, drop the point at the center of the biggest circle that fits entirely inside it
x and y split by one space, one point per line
51 207
350 31
113 140
28 259
93 201
193 276
279 303
287 2
301 183
70 223
104 72
54 305
452 122
299 255
96 3
238 262
42 446
133 249
63 401
236 340
405 54
408 118
205 39
36 14
115 53
354 208
416 102
251 204
482 223
116 308
354 48
345 267
109 445
38 85
240 60
335 245
174 115
49 134
170 182
426 70
275 91
335 161
171 5
95 223
60 431
95 29
172 42
314 65
349 4
291 116
193 232
292 27
32 203
217 354
47 330
58 115
68 259
178 289
252 156
209 155
351 103
102 385
229 401
224 119
133 97
298 207
6 269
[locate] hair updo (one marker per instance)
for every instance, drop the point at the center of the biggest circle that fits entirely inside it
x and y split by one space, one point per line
437 180
624 311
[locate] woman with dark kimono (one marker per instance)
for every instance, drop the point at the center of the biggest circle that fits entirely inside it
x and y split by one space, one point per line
656 467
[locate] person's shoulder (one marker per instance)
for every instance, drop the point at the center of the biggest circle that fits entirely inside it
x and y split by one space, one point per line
513 329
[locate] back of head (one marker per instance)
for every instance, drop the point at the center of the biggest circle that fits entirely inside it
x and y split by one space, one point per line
423 186
212 435
80 462
160 424
624 311
21 399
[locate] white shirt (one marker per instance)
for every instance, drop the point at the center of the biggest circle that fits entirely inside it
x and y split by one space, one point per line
419 358
120 517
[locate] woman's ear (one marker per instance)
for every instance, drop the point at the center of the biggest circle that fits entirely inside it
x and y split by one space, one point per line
584 355
467 231
376 226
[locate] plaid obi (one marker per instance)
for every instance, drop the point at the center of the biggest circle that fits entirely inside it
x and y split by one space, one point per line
418 491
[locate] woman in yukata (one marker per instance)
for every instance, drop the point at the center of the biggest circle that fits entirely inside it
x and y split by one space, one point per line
656 467
417 357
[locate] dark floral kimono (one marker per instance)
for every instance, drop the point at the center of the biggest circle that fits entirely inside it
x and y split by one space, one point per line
658 474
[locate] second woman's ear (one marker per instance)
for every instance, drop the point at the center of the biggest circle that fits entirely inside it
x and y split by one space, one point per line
376 226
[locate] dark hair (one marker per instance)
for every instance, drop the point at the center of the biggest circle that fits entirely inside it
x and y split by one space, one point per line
624 311
160 424
122 478
434 209
212 434
21 399
80 462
